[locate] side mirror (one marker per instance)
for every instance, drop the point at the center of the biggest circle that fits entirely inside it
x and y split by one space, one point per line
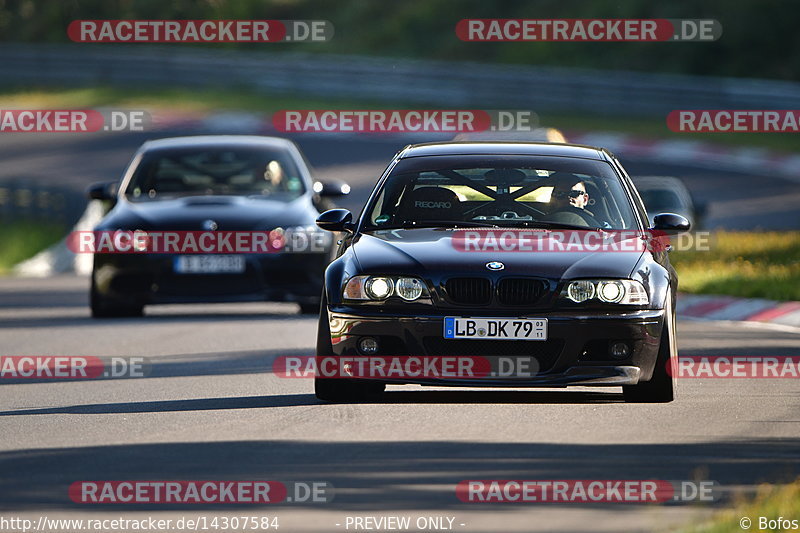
670 224
336 220
331 189
104 190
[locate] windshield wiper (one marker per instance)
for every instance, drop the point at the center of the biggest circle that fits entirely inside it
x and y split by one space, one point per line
557 225
449 224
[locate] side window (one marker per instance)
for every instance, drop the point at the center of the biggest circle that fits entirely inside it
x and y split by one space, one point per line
375 216
638 204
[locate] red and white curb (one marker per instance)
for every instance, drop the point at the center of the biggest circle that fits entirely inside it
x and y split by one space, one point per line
738 309
696 154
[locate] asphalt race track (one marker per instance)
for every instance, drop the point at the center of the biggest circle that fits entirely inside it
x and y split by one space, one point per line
211 408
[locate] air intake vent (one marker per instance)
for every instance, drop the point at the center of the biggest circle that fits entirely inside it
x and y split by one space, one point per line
468 291
520 291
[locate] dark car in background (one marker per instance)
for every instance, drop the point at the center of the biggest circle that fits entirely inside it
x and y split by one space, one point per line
668 193
214 184
403 284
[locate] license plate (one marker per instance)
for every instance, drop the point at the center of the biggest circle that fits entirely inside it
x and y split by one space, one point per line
209 264
512 329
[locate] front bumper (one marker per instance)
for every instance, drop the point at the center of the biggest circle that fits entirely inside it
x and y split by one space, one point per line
151 279
576 352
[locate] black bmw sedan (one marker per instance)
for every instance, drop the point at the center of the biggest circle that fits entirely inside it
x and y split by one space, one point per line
207 198
533 261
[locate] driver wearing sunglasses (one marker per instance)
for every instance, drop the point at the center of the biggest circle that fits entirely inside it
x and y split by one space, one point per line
568 201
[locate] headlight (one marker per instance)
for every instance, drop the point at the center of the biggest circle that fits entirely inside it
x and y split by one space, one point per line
580 291
378 288
610 291
408 289
618 291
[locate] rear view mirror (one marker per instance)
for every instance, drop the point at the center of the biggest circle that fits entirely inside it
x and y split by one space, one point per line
670 224
104 190
336 220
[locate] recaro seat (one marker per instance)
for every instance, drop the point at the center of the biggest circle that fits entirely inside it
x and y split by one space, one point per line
431 203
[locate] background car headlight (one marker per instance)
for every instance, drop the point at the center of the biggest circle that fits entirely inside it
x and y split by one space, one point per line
379 288
306 239
408 288
618 291
580 291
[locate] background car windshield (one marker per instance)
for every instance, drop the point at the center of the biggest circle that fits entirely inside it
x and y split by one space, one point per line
522 193
661 200
215 171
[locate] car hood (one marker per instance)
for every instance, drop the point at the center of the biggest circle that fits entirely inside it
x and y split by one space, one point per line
229 212
424 251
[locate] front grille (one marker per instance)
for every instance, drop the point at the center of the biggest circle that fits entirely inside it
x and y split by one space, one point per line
545 352
468 291
520 291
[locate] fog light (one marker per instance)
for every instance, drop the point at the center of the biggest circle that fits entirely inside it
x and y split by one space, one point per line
368 346
619 350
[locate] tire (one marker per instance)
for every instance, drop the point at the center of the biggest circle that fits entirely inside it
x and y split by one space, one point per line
338 390
661 387
106 308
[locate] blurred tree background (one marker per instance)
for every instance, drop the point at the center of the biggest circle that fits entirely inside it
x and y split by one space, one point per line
760 37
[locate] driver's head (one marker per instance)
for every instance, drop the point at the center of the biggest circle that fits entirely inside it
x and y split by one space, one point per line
568 190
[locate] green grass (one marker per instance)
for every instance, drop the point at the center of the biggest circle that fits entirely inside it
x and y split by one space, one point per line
744 264
22 240
771 502
205 99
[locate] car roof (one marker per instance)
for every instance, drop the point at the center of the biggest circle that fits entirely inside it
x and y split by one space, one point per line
505 148
200 141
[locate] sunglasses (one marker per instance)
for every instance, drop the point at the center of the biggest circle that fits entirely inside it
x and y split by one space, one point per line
570 193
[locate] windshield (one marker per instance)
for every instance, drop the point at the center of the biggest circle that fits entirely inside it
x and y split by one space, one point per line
502 191
216 171
660 200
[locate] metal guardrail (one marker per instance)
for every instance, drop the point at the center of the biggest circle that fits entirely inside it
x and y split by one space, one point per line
20 200
449 84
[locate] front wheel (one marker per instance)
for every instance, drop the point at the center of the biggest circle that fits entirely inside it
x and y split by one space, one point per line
661 387
337 390
103 307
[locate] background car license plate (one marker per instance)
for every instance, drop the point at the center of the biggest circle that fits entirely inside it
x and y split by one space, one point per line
209 264
530 329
